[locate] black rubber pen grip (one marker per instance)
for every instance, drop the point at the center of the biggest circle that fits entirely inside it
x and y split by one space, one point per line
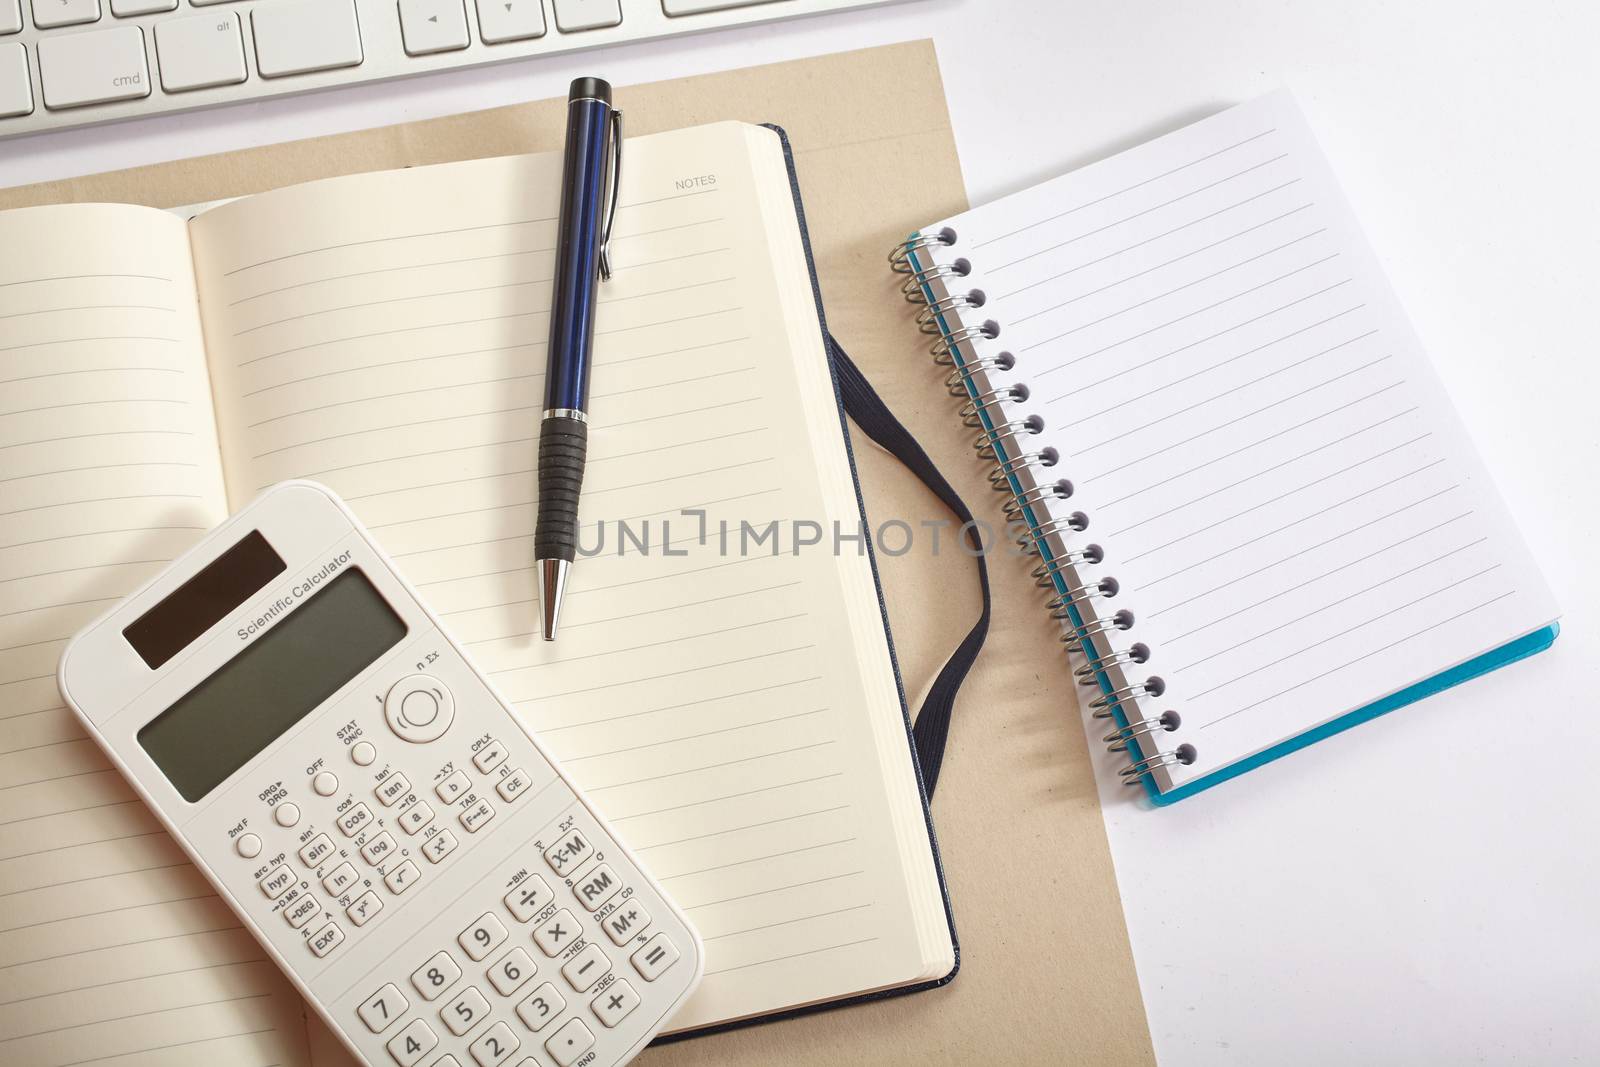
563 444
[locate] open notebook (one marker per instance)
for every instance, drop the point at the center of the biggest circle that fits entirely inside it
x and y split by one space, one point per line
736 714
1256 514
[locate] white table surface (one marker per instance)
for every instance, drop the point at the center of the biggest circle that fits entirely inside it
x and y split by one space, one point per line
1425 888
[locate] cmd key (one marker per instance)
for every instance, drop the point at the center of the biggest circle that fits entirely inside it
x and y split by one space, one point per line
93 68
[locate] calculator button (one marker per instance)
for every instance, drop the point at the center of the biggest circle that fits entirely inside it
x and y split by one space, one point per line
452 788
482 937
451 1061
658 954
586 968
286 814
540 1007
569 853
412 1043
489 756
598 886
374 851
355 820
419 708
529 898
301 913
392 789
343 877
326 940
362 754
625 923
364 908
248 846
277 880
614 1005
319 849
476 816
383 1009
439 846
494 1046
416 817
554 936
515 968
512 785
465 1011
569 1043
400 879
325 784
435 976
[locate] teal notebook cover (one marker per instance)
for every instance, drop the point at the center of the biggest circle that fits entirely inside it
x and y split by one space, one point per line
1512 651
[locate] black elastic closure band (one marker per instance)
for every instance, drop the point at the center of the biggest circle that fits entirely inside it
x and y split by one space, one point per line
862 404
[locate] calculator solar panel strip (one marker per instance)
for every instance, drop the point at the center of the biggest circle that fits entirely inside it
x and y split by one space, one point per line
67 63
375 814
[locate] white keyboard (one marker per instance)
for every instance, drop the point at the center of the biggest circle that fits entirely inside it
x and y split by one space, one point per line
70 63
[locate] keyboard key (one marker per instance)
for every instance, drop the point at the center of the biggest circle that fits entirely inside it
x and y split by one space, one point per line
658 954
93 68
575 15
529 898
625 923
429 26
48 14
414 818
540 1007
614 1005
301 912
305 35
202 52
364 907
412 1043
439 846
569 1043
508 20
318 850
695 7
355 820
383 1009
454 787
489 756
341 878
512 786
586 968
126 8
11 16
477 817
435 976
377 849
496 1045
569 853
464 1012
326 940
16 88
277 880
392 789
512 971
482 937
598 886
400 879
555 935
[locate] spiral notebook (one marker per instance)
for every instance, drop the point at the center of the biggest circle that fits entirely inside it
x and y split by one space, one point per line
1254 511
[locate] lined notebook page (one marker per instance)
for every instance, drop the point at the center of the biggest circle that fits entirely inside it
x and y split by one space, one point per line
1282 489
113 949
385 334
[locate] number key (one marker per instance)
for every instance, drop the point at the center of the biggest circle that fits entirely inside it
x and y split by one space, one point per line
383 1009
481 937
496 1045
435 976
511 972
541 1006
466 1011
412 1043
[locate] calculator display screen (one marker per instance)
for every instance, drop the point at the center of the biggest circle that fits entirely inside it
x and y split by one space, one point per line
277 680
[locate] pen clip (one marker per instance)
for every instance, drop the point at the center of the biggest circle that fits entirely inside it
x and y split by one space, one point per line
615 182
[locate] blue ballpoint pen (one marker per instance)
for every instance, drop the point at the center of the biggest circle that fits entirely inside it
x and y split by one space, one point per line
591 172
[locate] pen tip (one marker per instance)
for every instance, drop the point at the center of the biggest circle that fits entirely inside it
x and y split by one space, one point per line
552 583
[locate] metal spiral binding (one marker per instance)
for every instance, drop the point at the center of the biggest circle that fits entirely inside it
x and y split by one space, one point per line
993 411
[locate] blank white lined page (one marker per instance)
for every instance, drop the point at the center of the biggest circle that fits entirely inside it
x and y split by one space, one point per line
113 948
1281 487
386 335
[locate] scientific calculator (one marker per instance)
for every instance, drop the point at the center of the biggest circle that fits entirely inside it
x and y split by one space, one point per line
389 831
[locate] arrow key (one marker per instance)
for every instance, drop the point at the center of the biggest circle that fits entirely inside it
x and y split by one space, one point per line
430 26
510 20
